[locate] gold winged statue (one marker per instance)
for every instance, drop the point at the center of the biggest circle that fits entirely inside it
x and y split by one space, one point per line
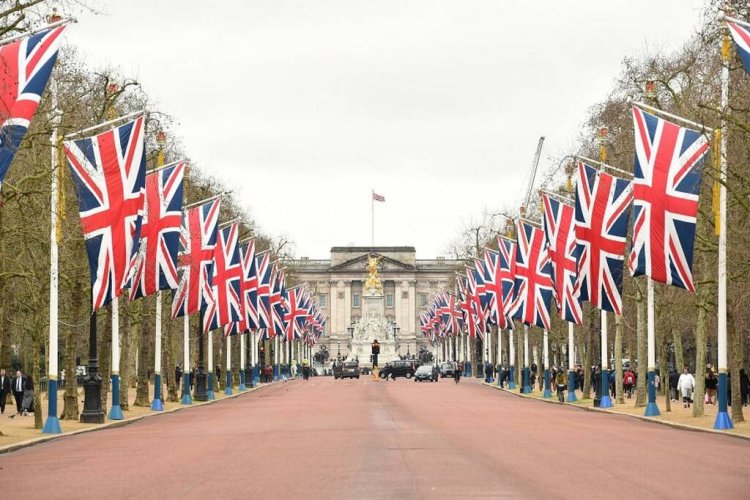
372 268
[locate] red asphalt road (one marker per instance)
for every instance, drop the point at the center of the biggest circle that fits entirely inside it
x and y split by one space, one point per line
398 439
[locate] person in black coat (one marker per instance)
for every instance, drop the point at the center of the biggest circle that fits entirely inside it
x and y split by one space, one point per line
744 386
177 376
4 390
18 384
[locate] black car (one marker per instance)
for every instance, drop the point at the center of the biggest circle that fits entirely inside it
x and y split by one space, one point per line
426 372
447 369
401 368
350 369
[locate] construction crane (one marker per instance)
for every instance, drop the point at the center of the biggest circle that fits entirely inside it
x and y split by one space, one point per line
534 167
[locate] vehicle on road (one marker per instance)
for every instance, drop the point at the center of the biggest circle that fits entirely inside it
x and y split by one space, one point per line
400 368
350 369
447 368
337 368
426 372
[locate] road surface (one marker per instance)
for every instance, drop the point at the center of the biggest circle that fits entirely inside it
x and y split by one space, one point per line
395 439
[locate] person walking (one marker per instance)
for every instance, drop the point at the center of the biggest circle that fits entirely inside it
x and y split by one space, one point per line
293 369
712 382
674 377
18 391
685 386
4 390
561 383
488 372
628 382
192 378
457 372
177 376
27 405
218 376
744 386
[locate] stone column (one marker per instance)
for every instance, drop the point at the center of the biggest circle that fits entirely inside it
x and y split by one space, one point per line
333 326
412 306
347 305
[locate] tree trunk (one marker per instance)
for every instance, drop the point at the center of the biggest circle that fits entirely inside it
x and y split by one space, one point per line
664 371
700 353
70 401
170 355
619 389
679 360
141 395
105 353
641 347
590 349
126 342
5 339
735 365
35 371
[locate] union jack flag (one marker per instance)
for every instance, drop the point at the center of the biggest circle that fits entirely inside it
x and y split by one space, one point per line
223 305
533 284
741 36
249 286
263 295
109 171
296 312
196 258
156 262
494 288
559 231
666 184
25 69
601 224
507 251
277 301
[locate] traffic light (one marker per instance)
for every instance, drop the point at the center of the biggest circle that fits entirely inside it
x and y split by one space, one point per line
375 347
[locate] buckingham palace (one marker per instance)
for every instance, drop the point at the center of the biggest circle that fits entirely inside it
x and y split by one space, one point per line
408 286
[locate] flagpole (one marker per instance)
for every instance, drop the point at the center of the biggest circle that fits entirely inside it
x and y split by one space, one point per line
512 359
115 412
52 424
526 383
157 404
228 368
242 362
604 401
186 398
652 410
571 364
723 421
372 218
499 352
211 381
547 391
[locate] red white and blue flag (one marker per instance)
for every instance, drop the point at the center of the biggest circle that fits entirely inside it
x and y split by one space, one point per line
666 185
196 258
601 225
507 251
249 286
493 284
741 36
109 171
223 304
156 262
559 231
296 312
533 284
26 68
263 295
277 302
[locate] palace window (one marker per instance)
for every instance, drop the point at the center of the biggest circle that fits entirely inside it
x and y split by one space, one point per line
423 300
388 300
322 300
355 300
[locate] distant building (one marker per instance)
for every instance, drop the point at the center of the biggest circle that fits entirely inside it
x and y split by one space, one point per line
408 286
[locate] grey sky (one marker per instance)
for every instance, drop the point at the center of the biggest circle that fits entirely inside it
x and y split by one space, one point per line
306 105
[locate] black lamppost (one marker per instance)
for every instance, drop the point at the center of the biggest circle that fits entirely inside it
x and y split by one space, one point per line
92 384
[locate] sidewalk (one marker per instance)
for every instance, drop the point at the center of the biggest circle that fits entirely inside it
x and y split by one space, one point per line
677 417
19 431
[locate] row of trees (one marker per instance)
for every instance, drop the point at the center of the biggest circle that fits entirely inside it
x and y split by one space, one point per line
685 82
85 96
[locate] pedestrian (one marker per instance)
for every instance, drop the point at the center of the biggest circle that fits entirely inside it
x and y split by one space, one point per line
457 372
560 385
177 376
712 382
5 386
18 391
488 372
27 405
218 376
685 386
628 382
500 375
674 377
293 369
611 379
267 373
744 386
192 378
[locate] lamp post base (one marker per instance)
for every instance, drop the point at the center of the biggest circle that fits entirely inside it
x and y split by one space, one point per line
157 404
92 404
201 382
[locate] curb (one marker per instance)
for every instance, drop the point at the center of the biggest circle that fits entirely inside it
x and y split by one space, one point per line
117 423
642 418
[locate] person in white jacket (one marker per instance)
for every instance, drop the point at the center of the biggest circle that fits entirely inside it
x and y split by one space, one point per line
685 386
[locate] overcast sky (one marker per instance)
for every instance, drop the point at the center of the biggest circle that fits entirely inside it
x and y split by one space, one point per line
304 106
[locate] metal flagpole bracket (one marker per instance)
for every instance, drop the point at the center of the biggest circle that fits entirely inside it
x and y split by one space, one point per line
658 111
50 26
558 197
171 164
603 165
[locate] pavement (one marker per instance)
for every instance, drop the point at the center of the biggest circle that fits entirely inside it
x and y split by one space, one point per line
328 438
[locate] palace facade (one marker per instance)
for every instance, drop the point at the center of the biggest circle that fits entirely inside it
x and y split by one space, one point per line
408 286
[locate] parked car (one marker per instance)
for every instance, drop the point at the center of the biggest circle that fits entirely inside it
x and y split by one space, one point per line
426 372
350 369
400 368
447 369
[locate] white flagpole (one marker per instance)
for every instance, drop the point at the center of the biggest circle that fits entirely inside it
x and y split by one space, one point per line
210 391
547 392
157 404
228 368
605 401
526 375
512 359
242 362
372 218
652 410
186 397
52 424
115 412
